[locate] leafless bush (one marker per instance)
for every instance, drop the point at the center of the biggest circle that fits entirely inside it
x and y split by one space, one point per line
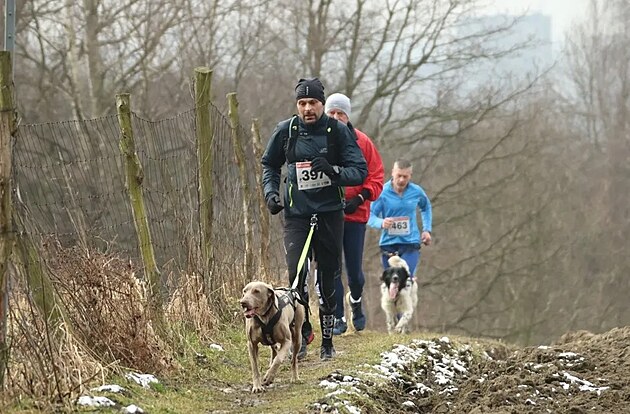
105 306
49 364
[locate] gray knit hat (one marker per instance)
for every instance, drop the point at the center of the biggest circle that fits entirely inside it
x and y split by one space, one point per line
338 101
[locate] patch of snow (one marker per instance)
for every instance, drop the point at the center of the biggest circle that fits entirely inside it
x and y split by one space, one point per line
449 390
338 391
351 408
568 355
584 385
535 367
422 367
116 389
216 347
459 367
95 401
421 389
329 384
543 347
409 404
142 379
530 402
132 409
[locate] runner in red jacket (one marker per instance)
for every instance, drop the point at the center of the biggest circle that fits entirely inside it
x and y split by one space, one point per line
357 213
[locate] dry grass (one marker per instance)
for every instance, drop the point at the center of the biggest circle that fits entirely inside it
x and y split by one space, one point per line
189 309
105 304
106 327
46 364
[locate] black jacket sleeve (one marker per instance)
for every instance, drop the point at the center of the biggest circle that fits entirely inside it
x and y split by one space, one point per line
273 159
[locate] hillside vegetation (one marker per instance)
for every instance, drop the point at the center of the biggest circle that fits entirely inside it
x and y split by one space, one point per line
200 365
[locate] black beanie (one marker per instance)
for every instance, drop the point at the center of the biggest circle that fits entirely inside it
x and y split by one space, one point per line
310 88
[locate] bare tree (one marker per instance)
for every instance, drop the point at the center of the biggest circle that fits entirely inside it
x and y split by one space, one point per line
491 151
102 48
599 97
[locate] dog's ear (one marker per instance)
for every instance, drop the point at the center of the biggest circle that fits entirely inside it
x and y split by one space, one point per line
404 276
270 291
384 275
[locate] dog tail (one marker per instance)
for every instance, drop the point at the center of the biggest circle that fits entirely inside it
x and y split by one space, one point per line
397 261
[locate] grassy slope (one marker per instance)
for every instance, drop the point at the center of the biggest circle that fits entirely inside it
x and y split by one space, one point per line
202 387
212 381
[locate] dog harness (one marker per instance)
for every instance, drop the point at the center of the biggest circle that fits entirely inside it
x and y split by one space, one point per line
287 297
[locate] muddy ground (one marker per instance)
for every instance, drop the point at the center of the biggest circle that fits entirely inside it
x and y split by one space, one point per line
579 373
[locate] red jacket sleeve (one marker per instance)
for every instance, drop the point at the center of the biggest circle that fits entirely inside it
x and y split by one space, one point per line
373 182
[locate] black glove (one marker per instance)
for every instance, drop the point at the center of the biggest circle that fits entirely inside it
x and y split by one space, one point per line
273 203
352 205
355 202
320 164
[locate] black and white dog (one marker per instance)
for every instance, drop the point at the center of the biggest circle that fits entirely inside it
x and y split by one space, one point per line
399 295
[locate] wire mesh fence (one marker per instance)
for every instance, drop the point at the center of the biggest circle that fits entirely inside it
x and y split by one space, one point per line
70 181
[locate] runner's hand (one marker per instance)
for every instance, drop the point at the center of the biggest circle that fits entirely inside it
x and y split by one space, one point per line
426 238
273 203
321 164
352 205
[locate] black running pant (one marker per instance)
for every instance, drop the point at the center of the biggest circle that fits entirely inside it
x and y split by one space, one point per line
325 249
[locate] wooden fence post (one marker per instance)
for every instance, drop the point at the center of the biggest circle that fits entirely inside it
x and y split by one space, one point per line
205 137
262 205
134 175
39 283
239 151
7 130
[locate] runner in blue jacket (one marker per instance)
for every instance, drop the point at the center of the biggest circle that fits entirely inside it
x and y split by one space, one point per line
395 213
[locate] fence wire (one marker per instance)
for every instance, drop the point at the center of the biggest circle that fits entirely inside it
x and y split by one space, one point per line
70 181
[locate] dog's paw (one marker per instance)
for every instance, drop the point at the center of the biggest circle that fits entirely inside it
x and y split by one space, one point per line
267 380
257 388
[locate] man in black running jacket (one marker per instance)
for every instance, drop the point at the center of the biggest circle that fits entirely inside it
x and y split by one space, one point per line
322 157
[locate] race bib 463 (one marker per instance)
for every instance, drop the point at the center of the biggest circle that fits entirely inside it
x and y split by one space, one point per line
400 227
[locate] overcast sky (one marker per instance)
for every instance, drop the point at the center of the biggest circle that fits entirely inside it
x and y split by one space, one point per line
562 12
